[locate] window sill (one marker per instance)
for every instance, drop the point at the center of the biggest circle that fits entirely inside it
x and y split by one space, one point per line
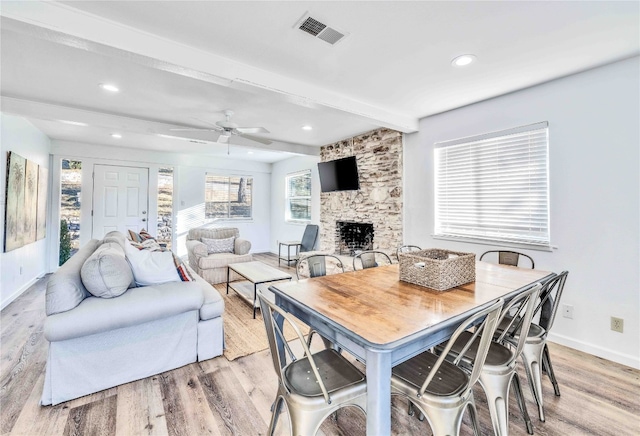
298 222
495 243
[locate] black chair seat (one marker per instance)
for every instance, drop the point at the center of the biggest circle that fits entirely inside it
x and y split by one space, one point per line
450 380
336 373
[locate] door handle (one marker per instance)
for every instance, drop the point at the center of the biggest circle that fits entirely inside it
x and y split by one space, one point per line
144 220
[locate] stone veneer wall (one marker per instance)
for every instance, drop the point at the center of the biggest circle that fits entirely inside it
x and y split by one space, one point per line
379 200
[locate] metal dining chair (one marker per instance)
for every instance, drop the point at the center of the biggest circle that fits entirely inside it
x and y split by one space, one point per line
499 370
535 353
317 264
440 389
509 257
368 259
407 249
313 385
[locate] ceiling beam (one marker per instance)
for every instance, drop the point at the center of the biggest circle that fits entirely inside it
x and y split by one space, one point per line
66 25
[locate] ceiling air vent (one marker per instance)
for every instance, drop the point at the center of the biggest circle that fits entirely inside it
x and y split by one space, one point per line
320 30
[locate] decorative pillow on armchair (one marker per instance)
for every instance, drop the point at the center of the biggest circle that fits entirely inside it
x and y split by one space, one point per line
219 245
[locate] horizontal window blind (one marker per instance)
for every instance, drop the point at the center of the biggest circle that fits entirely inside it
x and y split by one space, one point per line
495 186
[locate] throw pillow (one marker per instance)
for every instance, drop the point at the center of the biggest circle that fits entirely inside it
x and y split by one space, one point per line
140 237
106 273
151 267
182 269
219 245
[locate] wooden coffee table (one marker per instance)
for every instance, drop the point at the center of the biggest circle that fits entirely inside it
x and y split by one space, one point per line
256 273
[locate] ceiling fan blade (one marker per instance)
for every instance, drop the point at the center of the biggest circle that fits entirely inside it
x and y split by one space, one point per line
193 130
255 138
252 130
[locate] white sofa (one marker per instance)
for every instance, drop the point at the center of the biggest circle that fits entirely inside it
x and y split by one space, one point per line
97 343
213 266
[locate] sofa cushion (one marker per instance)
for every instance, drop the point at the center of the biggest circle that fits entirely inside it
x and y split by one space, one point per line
151 267
106 273
135 306
221 260
65 289
225 245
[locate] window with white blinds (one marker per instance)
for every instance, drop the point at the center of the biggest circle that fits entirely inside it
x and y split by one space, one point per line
494 187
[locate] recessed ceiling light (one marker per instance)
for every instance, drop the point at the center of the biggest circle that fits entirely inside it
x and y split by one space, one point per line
72 123
307 127
463 60
109 87
249 152
116 135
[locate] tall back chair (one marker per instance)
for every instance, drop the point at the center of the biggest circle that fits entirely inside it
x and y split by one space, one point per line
368 259
314 385
535 353
309 237
499 370
509 257
406 249
317 264
441 390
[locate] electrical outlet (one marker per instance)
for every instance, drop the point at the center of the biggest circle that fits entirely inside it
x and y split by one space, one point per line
617 324
20 269
567 311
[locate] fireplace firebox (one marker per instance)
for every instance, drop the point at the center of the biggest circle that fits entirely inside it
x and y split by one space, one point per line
353 236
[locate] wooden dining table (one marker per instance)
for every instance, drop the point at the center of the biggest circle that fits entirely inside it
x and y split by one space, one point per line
384 321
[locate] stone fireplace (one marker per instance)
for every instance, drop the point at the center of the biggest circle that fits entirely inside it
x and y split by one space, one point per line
352 237
377 204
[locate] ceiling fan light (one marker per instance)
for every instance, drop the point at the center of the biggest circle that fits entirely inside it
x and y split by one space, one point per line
463 60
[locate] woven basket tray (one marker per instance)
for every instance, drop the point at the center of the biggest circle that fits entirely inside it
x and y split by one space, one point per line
442 270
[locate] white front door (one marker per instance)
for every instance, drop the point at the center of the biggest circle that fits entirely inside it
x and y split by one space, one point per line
120 199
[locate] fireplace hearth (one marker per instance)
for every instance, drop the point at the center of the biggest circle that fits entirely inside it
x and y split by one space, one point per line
352 237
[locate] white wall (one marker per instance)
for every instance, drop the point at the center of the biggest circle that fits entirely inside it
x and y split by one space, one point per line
281 230
188 199
594 131
21 267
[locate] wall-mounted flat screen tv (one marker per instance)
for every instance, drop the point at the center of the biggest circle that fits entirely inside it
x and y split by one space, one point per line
339 175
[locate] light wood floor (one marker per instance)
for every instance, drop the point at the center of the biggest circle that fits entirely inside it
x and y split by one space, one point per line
599 397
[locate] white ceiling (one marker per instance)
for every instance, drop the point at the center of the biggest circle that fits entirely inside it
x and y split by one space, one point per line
181 63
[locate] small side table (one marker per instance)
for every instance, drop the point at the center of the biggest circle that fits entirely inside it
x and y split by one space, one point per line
288 244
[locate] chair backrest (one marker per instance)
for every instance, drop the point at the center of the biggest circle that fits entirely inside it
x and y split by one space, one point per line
550 295
519 313
368 258
486 321
317 264
407 249
197 233
509 257
309 237
275 334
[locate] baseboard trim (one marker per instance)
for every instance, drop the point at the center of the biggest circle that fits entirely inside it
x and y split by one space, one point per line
605 353
20 290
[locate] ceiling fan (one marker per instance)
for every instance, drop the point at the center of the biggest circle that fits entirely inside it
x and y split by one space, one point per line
228 129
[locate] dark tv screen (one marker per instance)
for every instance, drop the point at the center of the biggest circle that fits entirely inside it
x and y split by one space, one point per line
339 175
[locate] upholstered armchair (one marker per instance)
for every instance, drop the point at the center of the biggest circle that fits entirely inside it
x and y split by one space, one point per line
211 250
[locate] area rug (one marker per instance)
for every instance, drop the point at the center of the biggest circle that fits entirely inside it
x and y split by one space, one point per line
244 335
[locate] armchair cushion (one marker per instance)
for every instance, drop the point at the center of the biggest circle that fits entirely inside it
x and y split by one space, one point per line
225 245
221 260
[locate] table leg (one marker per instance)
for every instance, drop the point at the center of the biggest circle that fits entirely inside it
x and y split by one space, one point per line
279 253
228 277
378 392
255 296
